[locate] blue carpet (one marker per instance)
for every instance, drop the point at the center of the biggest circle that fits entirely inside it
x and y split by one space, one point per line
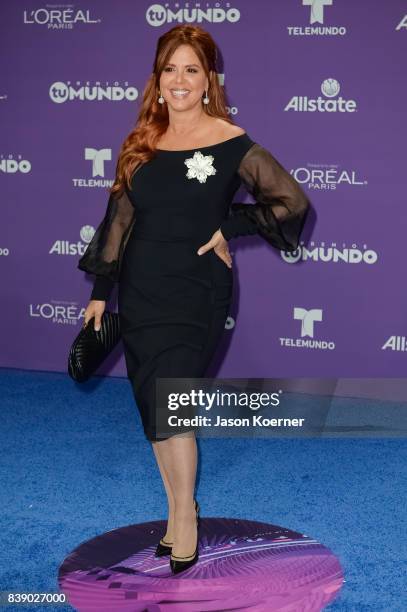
76 464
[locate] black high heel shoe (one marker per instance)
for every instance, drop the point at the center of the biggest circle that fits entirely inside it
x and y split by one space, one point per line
180 564
165 548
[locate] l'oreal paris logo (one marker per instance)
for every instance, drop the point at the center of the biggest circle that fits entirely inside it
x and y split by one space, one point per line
56 311
330 104
326 177
58 19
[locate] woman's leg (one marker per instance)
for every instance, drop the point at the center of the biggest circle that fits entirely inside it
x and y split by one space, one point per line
169 534
178 455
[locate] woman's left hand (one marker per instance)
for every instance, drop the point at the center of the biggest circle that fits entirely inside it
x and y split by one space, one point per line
220 246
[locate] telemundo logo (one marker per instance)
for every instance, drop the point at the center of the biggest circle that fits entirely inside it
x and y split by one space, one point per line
307 317
316 16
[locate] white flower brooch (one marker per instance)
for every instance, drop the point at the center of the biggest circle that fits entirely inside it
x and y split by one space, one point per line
200 166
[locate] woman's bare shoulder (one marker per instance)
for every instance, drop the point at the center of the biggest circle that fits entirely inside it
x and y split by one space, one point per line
229 130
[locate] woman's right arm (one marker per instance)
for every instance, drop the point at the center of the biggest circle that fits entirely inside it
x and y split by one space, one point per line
104 253
102 289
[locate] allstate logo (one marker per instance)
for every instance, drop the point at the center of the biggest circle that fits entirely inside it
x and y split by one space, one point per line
87 233
330 88
331 103
65 247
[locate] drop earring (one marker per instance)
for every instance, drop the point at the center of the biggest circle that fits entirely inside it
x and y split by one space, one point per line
161 99
206 99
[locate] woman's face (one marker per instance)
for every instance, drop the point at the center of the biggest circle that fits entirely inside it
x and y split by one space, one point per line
183 80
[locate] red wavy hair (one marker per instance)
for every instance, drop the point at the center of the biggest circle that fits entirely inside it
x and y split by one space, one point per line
140 145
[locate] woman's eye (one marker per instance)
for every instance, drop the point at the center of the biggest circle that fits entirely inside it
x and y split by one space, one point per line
169 68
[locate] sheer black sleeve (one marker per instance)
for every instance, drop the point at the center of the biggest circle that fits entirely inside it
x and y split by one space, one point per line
281 205
104 253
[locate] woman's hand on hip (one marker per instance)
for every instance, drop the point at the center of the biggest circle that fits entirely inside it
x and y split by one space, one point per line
95 309
220 246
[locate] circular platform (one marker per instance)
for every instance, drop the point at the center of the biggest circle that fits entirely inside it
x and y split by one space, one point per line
243 565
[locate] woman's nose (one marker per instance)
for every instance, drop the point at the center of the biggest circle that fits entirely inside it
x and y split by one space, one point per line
179 77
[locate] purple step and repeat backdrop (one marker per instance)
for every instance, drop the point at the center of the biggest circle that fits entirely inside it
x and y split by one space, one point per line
320 83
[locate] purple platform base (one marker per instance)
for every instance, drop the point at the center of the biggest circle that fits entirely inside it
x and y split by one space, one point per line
243 565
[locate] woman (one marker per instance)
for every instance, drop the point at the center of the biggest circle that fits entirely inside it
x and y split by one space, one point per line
164 239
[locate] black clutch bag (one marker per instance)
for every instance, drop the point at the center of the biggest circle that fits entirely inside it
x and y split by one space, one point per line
90 348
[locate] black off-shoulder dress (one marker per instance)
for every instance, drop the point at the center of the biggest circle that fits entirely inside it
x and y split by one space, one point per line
172 302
